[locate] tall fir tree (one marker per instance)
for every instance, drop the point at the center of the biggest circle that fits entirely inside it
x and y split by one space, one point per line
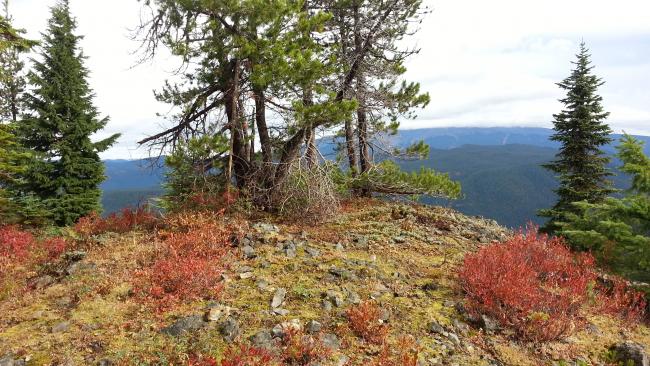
12 79
580 127
62 119
14 158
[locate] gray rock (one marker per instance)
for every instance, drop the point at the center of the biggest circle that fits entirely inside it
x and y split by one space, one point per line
399 240
361 242
75 256
326 305
312 252
184 325
60 327
280 311
278 298
229 329
339 247
249 252
246 275
454 339
631 352
262 284
43 282
79 267
314 326
279 330
266 228
461 327
343 273
343 360
353 297
334 298
290 253
9 360
331 342
105 362
263 339
217 312
488 324
435 327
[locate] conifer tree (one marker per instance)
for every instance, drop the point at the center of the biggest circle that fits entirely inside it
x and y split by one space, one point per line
12 81
580 127
14 158
59 126
617 230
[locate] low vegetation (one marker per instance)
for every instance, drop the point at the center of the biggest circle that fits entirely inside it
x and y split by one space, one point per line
534 284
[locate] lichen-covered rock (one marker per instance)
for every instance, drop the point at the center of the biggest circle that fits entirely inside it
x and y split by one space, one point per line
184 325
627 352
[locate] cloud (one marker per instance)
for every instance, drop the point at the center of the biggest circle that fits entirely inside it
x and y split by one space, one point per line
484 63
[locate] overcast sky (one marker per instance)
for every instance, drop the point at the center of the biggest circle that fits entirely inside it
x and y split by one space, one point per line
484 63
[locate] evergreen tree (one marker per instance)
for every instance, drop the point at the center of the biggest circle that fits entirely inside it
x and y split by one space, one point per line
12 81
618 229
580 127
62 119
14 158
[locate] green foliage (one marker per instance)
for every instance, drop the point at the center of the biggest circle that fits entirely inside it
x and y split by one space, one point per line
387 178
194 168
618 229
66 170
581 165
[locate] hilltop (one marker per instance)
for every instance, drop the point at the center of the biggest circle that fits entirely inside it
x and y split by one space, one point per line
88 308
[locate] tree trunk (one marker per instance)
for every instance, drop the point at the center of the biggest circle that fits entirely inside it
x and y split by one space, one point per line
237 160
262 128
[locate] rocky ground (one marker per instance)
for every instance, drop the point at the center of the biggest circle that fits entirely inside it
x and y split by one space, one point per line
290 275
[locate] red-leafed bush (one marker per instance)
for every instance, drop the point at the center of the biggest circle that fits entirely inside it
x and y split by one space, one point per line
365 321
532 283
188 265
244 355
405 353
300 349
175 279
127 220
15 244
53 247
615 297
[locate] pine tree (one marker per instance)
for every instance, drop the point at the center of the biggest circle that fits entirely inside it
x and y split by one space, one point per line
617 230
60 124
14 158
12 81
580 127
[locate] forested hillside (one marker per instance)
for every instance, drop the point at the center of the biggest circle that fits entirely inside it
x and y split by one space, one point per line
499 169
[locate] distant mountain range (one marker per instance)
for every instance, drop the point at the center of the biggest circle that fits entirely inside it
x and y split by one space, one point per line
499 170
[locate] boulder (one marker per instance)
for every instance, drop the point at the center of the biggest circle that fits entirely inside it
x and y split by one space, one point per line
627 352
185 325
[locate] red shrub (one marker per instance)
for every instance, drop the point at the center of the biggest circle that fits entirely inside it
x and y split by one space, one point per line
537 286
127 220
364 320
300 349
187 267
531 283
405 353
175 279
15 244
53 247
615 297
248 356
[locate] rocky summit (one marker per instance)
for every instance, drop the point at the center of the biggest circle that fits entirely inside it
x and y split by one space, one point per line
284 277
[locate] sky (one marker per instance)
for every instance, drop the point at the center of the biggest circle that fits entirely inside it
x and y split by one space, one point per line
484 63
